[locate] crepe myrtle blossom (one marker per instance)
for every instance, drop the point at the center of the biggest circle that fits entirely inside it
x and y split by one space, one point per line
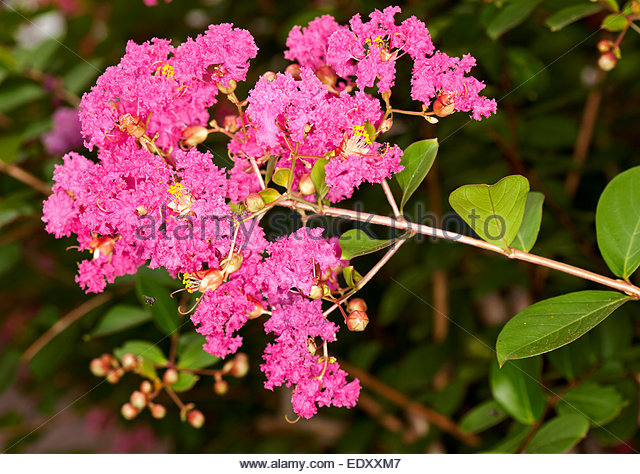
153 198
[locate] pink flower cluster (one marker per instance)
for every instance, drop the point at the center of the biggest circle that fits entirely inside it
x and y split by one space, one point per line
152 198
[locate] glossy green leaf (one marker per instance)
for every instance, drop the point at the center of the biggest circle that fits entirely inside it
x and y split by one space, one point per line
417 160
281 176
144 349
191 354
512 443
510 16
146 369
613 4
614 22
597 403
625 425
528 232
552 323
571 14
318 177
164 310
351 276
483 416
80 77
119 318
269 195
271 165
356 242
618 223
516 387
558 435
494 212
12 98
185 382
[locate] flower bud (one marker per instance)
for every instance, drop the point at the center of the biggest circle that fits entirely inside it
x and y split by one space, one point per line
270 76
254 202
444 105
311 346
635 7
129 361
195 418
327 76
193 135
229 89
230 123
258 309
141 210
138 400
240 366
386 125
170 377
316 292
306 185
211 280
114 375
604 46
128 411
158 411
357 321
607 61
146 387
234 263
294 70
356 304
221 387
98 367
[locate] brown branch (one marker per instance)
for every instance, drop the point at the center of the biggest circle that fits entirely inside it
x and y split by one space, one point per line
63 323
438 419
27 178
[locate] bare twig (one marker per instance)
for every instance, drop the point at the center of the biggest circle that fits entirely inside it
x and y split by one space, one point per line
27 178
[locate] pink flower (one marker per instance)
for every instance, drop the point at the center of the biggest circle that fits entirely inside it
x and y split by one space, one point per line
308 45
65 134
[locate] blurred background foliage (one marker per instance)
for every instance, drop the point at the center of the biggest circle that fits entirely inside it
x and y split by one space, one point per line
435 309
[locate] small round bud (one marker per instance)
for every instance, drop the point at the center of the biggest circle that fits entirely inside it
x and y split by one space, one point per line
230 123
604 46
195 418
146 387
443 105
138 400
129 361
221 387
306 185
158 411
386 125
170 377
226 368
254 202
258 309
194 135
316 292
294 70
229 89
240 366
270 76
356 304
211 280
98 367
635 7
141 210
114 375
357 321
109 360
128 411
607 61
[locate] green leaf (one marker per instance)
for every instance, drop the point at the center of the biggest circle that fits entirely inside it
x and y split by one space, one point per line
351 276
185 382
318 177
144 349
483 416
597 403
552 323
269 195
81 75
164 310
146 369
568 15
613 4
15 97
510 17
9 148
281 177
626 425
10 254
513 441
494 212
271 165
528 232
618 223
558 435
119 318
614 22
191 355
417 160
356 242
515 386
15 205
